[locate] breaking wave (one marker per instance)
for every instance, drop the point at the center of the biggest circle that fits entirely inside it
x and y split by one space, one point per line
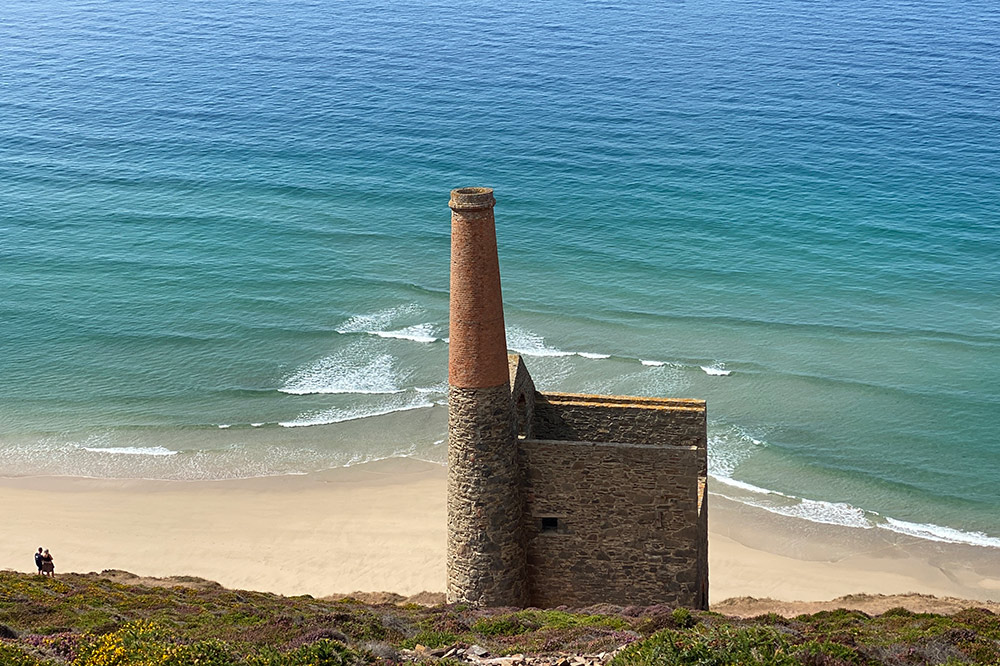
377 321
417 333
939 533
356 369
332 415
527 343
381 324
732 445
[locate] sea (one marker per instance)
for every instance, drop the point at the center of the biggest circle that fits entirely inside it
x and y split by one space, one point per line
224 234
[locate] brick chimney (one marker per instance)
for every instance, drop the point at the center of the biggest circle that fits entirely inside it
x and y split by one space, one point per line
477 353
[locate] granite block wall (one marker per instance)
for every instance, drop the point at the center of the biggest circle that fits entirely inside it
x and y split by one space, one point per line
608 492
588 418
614 523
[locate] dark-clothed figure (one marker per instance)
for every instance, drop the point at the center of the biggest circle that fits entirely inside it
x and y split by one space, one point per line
48 568
38 561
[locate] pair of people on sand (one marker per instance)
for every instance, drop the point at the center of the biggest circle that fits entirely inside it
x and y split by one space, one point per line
43 560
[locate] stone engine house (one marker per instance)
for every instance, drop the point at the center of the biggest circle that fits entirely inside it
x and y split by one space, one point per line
557 498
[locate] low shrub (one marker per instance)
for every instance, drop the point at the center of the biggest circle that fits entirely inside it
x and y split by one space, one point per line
554 619
683 619
821 653
500 625
12 655
321 653
716 646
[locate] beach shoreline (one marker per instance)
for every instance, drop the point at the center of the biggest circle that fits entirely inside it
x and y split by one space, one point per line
380 526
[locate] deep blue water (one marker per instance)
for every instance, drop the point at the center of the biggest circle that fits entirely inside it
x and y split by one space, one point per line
219 220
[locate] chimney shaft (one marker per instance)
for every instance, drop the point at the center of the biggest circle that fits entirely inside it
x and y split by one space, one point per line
486 552
477 351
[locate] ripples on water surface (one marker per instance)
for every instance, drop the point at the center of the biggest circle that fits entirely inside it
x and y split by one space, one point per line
225 234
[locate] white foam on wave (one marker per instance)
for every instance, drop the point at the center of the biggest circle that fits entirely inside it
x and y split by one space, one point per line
939 533
224 426
441 388
847 515
133 450
417 333
341 414
731 446
716 370
728 448
817 511
356 369
743 485
377 321
526 343
654 381
529 343
654 364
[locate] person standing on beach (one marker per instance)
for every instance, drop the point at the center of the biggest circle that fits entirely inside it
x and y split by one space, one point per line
48 567
38 560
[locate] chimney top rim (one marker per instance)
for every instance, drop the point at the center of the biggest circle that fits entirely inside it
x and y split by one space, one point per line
472 198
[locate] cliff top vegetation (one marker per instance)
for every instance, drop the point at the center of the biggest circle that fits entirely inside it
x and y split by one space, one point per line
93 620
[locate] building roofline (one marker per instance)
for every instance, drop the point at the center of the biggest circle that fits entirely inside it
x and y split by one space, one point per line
627 401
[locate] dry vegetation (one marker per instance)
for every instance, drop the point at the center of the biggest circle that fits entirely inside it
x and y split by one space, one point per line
99 620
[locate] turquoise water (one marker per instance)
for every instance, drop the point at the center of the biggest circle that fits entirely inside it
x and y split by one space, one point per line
224 234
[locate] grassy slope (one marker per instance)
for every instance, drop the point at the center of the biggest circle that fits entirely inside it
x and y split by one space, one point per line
89 620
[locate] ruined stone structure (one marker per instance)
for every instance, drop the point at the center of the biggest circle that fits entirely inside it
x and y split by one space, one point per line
558 498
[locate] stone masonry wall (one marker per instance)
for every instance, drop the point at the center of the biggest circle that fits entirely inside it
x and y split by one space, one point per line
522 393
486 555
589 418
622 524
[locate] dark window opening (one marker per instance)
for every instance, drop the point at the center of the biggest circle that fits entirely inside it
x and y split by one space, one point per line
550 524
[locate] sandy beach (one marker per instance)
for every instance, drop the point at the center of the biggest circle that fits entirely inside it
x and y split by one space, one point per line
381 527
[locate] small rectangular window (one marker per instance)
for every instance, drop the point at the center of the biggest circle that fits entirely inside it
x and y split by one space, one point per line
550 524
